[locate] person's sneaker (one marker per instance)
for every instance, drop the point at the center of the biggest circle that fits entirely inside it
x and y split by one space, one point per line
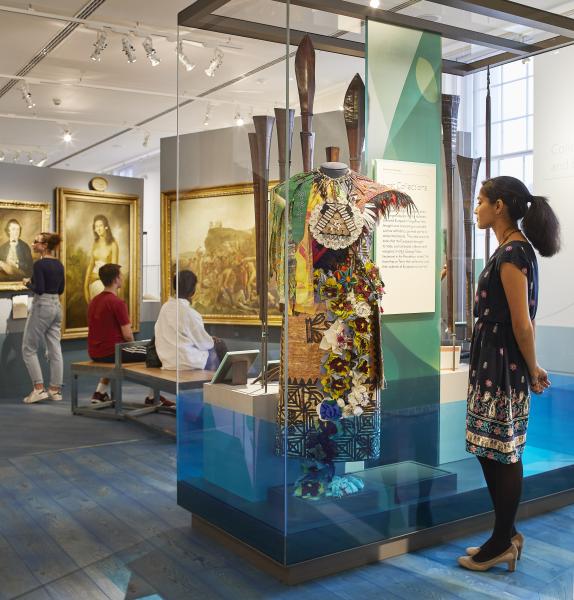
162 402
36 396
56 396
98 397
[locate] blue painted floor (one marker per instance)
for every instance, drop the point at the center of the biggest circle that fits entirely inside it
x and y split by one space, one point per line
102 523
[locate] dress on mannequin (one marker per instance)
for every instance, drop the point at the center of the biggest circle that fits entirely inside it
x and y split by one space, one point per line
333 353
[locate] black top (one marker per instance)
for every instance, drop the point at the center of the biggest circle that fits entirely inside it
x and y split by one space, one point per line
47 277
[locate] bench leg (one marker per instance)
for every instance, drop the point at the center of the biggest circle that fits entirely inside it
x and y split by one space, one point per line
156 396
74 393
117 387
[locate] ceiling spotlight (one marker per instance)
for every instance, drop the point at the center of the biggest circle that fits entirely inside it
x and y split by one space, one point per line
42 161
145 142
215 63
128 49
374 3
238 119
16 156
67 136
2 156
100 45
30 158
183 59
150 52
27 95
207 115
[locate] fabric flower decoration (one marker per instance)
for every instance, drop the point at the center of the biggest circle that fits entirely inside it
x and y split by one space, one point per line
328 410
348 411
361 325
338 386
346 277
330 288
362 309
338 365
358 378
334 338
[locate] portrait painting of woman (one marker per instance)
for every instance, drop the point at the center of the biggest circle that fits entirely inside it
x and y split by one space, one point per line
97 228
104 250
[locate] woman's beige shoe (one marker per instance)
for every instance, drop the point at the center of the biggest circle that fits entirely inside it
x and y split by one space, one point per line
517 540
509 556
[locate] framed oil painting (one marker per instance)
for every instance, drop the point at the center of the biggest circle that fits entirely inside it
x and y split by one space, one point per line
217 242
20 222
96 228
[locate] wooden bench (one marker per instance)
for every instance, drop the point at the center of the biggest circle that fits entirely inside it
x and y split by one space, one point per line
157 379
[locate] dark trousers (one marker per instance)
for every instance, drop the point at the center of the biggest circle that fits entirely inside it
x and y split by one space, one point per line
131 354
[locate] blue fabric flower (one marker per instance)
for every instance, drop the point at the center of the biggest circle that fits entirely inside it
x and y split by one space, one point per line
329 411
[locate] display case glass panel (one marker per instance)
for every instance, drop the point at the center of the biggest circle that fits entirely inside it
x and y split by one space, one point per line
333 448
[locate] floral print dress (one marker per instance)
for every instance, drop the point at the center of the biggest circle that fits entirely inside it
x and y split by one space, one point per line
498 401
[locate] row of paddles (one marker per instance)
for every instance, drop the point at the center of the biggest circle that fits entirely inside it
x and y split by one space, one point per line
468 172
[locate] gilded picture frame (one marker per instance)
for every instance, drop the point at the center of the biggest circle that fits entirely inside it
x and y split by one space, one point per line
97 228
216 233
20 222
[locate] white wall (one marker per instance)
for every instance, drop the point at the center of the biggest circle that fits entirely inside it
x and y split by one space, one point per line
554 178
148 169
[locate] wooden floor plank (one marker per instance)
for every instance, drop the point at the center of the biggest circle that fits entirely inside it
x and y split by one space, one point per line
403 584
15 577
170 579
116 578
75 587
460 583
68 495
62 527
37 550
39 594
131 486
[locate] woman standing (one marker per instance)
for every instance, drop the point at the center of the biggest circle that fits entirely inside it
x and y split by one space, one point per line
104 251
503 365
45 319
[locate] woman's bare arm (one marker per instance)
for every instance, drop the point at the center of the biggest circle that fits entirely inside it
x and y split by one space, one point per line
515 286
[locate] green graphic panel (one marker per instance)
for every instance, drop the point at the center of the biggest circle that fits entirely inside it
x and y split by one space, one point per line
404 123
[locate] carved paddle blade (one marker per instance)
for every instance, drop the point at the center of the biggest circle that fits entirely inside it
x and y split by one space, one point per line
354 113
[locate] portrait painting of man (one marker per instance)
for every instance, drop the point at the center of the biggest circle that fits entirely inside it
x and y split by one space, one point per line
219 247
20 222
97 228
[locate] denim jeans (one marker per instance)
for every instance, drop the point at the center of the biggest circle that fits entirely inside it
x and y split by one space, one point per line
43 327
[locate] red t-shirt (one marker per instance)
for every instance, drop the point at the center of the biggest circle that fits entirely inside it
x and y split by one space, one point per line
107 314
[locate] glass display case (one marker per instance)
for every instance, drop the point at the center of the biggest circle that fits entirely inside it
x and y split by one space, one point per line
308 170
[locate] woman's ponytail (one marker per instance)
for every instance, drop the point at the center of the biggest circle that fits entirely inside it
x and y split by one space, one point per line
541 226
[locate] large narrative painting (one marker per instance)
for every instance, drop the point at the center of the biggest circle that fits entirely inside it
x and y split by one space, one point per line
216 231
96 228
20 222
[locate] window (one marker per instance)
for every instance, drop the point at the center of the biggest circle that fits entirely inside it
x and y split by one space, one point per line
511 92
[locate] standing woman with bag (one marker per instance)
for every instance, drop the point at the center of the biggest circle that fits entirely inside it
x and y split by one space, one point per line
45 319
503 365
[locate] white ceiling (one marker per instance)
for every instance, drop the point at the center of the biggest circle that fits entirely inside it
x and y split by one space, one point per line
99 100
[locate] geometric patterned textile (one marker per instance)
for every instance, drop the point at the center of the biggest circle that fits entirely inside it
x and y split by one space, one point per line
358 438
